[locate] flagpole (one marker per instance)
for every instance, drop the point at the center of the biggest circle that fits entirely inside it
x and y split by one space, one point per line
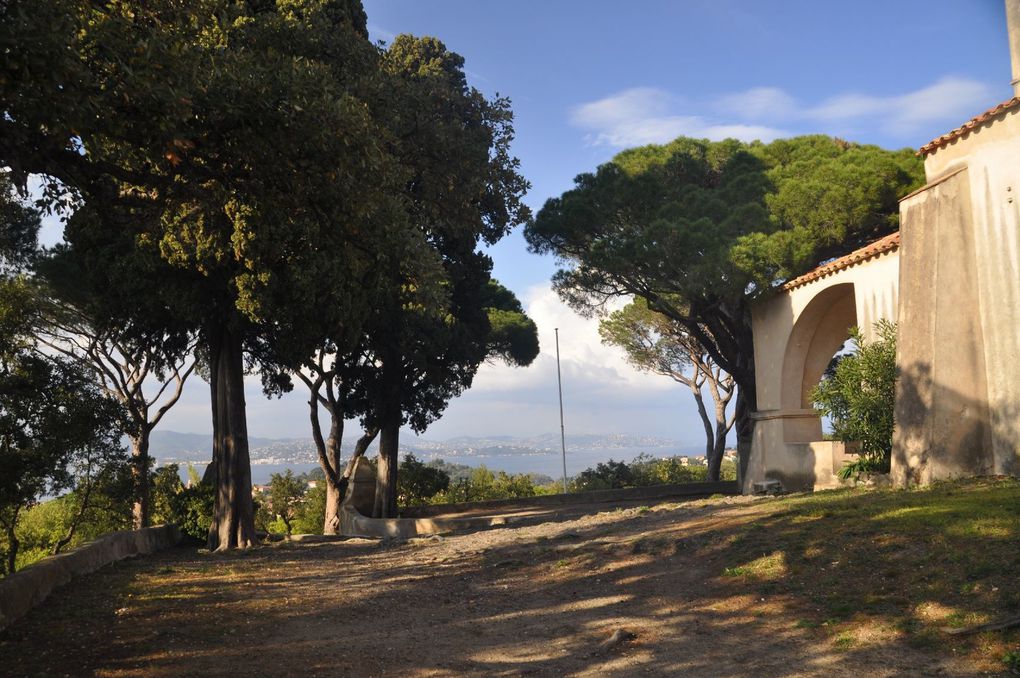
563 435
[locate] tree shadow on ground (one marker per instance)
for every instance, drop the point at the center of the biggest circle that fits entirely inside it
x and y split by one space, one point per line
842 582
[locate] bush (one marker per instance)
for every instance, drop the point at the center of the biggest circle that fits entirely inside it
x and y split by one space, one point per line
481 484
644 471
190 508
417 483
610 475
858 394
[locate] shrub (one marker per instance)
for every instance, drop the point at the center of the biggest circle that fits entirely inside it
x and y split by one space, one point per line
190 508
610 475
417 483
481 484
857 394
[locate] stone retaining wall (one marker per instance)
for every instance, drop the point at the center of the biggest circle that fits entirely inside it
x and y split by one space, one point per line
680 490
356 509
23 590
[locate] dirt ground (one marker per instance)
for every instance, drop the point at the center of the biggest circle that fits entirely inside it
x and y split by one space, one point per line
535 600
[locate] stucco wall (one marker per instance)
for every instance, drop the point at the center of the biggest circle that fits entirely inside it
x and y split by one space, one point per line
958 404
941 414
796 334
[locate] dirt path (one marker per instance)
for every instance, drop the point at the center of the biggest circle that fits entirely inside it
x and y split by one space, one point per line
534 600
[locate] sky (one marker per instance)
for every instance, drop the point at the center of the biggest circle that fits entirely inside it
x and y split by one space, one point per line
589 78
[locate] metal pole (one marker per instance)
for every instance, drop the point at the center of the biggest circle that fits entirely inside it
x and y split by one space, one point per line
563 435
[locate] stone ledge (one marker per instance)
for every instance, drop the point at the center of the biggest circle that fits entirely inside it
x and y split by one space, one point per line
679 490
23 590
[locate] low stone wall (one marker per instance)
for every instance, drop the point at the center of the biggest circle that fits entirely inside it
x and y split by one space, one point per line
23 590
356 509
679 490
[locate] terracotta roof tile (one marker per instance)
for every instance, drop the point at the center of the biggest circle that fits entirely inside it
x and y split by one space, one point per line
968 126
869 251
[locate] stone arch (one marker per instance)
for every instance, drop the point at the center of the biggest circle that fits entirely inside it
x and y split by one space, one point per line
820 330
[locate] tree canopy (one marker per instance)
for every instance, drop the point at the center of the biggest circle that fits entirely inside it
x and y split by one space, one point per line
700 229
653 342
229 170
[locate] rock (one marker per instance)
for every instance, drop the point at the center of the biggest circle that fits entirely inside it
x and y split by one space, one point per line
769 487
422 541
618 638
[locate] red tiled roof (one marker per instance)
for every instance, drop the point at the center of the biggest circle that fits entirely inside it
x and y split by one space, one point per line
968 126
869 251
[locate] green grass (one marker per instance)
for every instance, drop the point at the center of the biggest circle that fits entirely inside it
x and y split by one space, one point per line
921 561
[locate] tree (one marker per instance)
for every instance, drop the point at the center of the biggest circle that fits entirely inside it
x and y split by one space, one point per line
145 373
189 507
225 156
434 321
701 229
285 495
858 392
463 188
417 482
58 431
652 342
609 475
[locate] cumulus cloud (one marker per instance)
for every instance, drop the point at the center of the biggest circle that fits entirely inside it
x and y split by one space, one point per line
583 356
641 116
647 115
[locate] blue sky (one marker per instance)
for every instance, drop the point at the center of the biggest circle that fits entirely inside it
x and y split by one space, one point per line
587 79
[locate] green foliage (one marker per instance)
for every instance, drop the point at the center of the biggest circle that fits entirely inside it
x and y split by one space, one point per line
858 394
58 430
481 484
417 483
291 504
645 470
1012 660
650 341
610 475
513 336
286 493
702 228
108 509
311 511
190 508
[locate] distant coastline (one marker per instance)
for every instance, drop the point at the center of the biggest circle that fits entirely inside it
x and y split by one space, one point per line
534 454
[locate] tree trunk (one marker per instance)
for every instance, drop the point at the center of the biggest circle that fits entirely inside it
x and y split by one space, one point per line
706 422
12 543
386 470
140 478
715 460
233 523
331 522
335 493
83 507
746 405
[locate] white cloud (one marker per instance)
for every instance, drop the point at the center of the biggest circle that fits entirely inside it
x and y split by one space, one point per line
584 358
639 116
757 103
949 99
626 106
647 115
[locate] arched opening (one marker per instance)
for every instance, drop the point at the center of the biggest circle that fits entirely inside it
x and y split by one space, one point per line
819 333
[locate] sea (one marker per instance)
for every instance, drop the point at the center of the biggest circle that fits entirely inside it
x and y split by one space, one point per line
545 463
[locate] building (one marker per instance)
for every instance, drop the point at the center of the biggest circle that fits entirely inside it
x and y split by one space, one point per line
950 278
